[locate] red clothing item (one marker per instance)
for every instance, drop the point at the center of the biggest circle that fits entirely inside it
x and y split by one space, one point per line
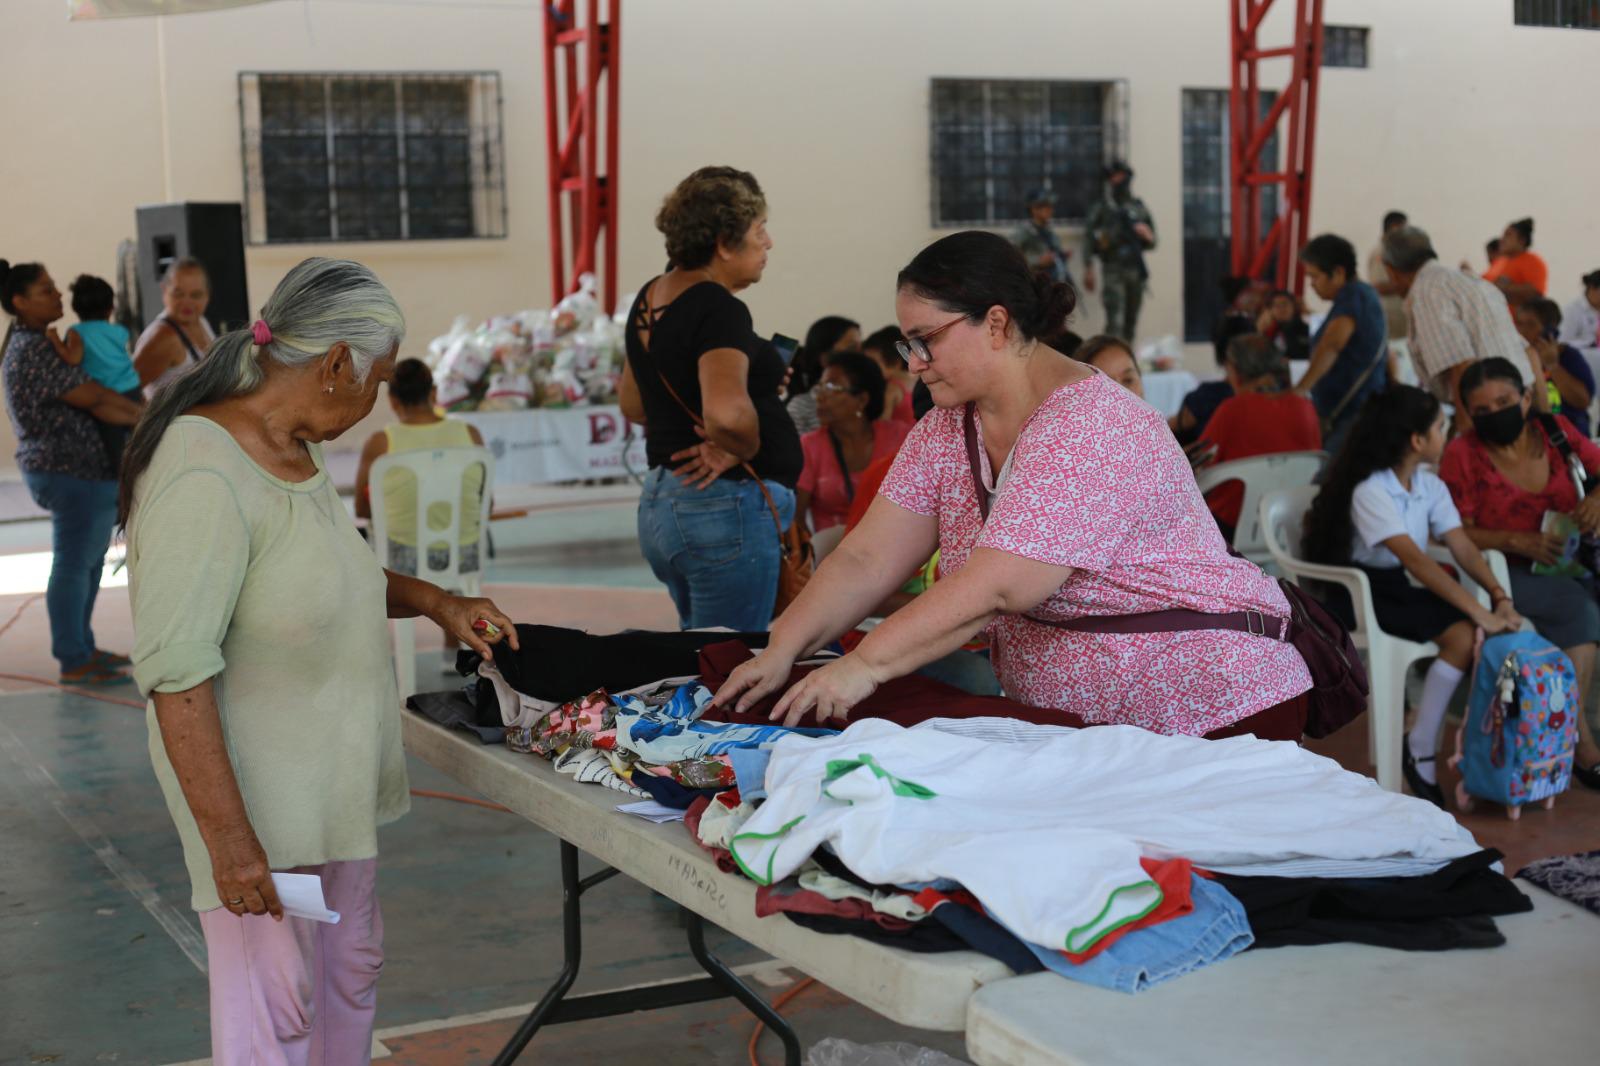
904 701
867 483
1487 500
1257 423
911 699
825 480
905 411
1172 875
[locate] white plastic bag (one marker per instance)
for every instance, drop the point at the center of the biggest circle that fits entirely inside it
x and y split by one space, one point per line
1165 353
836 1051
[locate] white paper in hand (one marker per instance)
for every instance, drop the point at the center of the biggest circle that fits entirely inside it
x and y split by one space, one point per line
301 896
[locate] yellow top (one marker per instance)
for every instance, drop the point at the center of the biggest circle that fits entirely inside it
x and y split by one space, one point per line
400 486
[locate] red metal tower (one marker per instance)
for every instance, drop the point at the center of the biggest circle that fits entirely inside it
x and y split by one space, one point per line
1253 252
580 113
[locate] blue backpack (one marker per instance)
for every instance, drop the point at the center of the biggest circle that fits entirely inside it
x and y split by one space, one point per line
1517 741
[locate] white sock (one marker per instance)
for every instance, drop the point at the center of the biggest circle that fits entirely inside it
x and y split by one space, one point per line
1437 688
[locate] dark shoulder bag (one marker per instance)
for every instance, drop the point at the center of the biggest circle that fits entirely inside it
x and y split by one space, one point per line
1338 679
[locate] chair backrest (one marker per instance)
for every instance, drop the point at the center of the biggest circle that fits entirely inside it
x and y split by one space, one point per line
1261 474
440 474
1282 519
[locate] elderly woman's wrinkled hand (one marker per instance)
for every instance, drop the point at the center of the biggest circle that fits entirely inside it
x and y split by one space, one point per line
244 880
462 617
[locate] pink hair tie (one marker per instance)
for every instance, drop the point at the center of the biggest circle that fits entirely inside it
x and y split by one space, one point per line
261 333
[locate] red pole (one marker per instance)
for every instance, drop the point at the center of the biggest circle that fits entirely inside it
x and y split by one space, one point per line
1287 254
1308 155
552 19
613 126
1237 32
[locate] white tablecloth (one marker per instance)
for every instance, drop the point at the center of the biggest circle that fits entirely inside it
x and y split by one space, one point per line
551 444
1165 389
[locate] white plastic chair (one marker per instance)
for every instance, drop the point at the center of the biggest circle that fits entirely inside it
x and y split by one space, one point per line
1260 475
439 475
1389 658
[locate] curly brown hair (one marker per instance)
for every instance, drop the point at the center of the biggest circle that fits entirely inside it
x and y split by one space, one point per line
712 205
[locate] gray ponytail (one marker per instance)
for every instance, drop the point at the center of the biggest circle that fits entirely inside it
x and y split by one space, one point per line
318 304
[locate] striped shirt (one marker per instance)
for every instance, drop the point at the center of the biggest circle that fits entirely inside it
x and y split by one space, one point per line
1459 318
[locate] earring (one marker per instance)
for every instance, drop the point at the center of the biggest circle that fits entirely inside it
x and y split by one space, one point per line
328 390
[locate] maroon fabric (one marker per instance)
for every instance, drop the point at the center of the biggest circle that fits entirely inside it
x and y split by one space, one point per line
904 701
908 700
1283 721
789 896
691 822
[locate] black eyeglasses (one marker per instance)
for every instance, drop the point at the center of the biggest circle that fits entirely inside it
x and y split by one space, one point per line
918 346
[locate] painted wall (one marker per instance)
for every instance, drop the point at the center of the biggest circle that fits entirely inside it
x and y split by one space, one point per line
827 102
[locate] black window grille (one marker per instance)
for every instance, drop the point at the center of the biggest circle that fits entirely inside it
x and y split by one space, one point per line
372 157
995 140
1561 14
1344 46
1208 203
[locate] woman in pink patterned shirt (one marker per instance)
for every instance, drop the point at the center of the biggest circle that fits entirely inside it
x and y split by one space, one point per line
1094 513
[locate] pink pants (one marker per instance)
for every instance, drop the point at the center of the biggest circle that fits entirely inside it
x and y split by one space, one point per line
298 992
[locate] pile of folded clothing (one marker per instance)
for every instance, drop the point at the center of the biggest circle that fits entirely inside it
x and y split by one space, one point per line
940 821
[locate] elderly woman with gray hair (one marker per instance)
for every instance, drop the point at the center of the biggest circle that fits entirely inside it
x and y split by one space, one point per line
260 640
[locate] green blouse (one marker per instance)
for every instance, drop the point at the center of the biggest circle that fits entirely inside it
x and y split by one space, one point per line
266 587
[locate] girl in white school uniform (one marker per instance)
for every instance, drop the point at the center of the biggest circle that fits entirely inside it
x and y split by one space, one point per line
1377 510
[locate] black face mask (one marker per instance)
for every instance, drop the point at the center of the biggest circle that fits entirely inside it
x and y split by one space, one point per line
1503 427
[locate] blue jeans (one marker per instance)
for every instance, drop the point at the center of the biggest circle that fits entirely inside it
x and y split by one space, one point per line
1215 930
82 514
715 548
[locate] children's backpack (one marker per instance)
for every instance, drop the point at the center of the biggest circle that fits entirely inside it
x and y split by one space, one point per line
1517 741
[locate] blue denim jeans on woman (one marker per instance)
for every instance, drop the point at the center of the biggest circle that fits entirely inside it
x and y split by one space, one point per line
715 549
82 514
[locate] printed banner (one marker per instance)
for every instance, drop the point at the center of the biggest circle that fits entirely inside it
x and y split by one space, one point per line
547 445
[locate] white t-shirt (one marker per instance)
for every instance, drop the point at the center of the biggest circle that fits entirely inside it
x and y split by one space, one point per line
1381 508
1048 831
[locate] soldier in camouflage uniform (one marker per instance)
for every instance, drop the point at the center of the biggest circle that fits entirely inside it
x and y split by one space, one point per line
1037 240
1119 230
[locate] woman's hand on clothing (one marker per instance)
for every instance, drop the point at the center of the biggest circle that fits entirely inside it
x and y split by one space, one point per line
755 679
461 617
831 691
1540 547
1493 624
1587 514
703 463
244 880
1507 612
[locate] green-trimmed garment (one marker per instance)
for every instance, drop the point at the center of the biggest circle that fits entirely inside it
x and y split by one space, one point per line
266 587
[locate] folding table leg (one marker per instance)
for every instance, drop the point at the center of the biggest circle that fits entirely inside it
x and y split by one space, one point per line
554 1007
572 934
741 991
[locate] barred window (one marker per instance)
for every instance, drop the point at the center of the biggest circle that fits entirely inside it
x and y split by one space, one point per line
372 157
1344 46
994 140
1562 14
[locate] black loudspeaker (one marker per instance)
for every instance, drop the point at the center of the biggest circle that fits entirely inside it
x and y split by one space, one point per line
211 233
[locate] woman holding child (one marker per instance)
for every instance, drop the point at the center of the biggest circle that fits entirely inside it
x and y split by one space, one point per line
57 411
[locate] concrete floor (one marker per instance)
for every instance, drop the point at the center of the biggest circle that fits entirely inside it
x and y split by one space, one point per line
102 960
